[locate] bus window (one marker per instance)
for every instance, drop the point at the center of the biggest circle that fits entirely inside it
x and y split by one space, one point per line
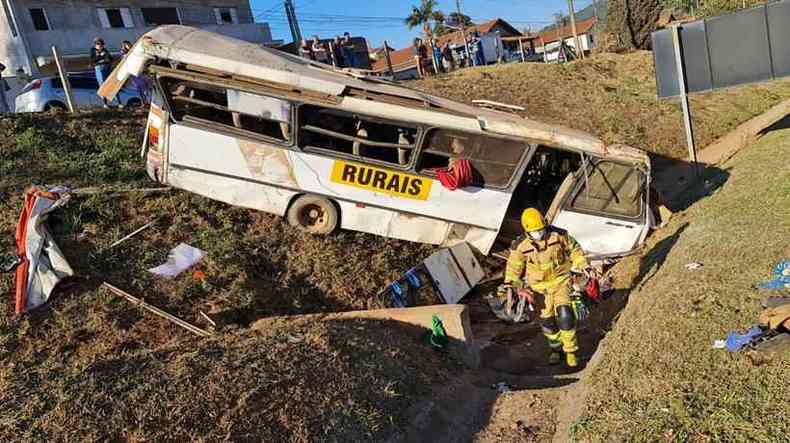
355 135
239 111
493 159
611 188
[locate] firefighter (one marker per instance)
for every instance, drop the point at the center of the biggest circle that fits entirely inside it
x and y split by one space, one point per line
540 263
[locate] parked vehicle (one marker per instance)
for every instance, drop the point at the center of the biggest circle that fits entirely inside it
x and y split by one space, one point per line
258 128
47 93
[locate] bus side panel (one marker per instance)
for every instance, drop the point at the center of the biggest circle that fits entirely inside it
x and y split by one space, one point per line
484 208
389 223
232 191
242 173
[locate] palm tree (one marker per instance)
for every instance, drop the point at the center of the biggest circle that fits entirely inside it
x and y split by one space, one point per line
423 15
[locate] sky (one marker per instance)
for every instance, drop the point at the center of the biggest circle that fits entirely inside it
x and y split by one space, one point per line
379 20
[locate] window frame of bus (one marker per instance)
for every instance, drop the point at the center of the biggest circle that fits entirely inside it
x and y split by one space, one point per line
222 128
581 182
327 152
526 154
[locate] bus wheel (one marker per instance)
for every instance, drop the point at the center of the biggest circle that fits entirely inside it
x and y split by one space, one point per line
313 214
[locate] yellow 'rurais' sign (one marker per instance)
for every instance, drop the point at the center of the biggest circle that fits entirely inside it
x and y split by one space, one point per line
385 181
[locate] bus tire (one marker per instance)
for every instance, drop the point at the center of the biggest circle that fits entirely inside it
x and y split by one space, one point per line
313 214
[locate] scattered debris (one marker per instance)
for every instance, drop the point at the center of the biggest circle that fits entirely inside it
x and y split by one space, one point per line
9 261
116 191
719 344
208 319
775 301
181 258
737 341
189 327
781 277
693 266
42 265
438 336
455 271
139 230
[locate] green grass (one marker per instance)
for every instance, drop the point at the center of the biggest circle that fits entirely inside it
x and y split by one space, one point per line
660 379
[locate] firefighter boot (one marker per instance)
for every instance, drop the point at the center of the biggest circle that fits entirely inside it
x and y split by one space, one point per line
552 334
567 334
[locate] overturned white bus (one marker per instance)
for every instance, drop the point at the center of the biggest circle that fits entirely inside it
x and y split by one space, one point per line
328 148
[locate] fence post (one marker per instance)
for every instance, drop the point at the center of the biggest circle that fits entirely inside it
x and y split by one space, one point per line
64 78
684 99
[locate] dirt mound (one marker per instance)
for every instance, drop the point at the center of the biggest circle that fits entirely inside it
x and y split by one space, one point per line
612 96
298 381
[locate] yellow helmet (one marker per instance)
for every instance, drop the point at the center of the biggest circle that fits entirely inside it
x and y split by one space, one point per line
532 220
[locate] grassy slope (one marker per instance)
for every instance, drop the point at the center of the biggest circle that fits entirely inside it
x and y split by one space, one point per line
90 366
612 96
660 378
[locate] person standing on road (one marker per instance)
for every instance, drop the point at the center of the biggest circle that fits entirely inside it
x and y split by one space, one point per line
540 264
320 52
447 58
337 53
101 60
306 50
348 50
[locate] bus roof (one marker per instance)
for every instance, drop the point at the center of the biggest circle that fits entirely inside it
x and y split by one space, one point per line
235 57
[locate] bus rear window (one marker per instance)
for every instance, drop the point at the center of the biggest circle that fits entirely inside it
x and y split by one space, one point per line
494 160
355 135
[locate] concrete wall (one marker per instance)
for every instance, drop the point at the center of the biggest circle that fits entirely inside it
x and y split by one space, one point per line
74 24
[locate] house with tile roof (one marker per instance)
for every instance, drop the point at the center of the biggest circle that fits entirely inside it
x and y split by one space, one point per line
549 40
404 64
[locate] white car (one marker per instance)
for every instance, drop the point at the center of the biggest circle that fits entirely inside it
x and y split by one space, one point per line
47 93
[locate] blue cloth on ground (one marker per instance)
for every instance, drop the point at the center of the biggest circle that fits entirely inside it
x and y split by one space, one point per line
781 276
736 341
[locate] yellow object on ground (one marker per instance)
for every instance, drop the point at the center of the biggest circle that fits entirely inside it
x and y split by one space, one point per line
571 360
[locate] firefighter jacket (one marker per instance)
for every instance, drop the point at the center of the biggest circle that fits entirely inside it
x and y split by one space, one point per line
544 264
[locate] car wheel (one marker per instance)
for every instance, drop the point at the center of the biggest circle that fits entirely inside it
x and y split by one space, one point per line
54 107
313 214
134 103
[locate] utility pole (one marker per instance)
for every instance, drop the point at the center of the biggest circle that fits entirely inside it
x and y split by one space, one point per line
388 59
463 31
573 29
597 18
293 23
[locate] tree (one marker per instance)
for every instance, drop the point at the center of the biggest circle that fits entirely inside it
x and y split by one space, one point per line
453 21
425 15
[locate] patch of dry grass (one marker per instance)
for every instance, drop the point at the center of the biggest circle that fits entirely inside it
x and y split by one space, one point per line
89 366
660 379
612 96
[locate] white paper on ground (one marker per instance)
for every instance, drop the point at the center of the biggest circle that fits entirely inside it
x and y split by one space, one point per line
180 258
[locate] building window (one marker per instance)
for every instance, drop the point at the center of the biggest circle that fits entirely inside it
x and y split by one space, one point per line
226 16
115 18
161 16
40 20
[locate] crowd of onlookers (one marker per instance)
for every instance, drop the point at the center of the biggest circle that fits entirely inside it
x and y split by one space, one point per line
430 57
338 52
